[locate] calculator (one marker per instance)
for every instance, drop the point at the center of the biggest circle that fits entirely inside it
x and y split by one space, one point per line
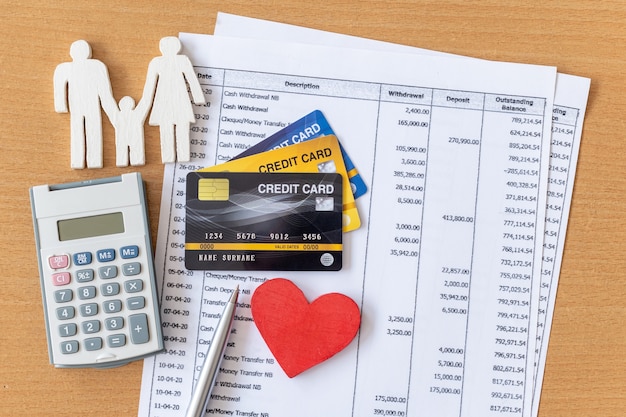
96 270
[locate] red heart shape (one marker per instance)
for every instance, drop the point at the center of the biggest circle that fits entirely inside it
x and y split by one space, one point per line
301 335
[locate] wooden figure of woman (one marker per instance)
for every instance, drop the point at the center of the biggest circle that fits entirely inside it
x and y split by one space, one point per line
172 109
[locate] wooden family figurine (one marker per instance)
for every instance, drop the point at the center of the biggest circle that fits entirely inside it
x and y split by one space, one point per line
82 87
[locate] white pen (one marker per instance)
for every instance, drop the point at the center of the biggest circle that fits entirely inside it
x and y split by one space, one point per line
200 396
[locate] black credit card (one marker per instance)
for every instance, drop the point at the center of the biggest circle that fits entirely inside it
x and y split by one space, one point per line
258 221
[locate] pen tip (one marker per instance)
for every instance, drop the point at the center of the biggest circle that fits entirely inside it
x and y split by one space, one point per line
233 296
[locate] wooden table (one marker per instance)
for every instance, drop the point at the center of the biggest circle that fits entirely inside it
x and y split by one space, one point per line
586 368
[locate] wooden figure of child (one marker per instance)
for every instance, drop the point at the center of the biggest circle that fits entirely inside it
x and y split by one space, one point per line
129 134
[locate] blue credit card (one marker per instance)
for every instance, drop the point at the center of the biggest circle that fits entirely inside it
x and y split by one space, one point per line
311 126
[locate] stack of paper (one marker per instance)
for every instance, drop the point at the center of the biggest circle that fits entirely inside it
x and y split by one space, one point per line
470 166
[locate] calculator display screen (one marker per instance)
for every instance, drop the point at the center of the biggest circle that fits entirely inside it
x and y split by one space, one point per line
91 226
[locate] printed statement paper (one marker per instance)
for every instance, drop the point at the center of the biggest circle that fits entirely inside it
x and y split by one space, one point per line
567 118
448 267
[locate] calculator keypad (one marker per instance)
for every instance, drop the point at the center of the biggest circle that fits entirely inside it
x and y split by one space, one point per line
98 299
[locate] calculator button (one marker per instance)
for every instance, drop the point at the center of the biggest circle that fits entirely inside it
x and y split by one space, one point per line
84 275
133 285
85 293
114 323
65 313
106 255
68 329
93 343
69 347
61 278
107 272
91 326
136 303
82 258
112 288
116 340
59 261
139 333
112 306
133 268
63 296
90 309
128 252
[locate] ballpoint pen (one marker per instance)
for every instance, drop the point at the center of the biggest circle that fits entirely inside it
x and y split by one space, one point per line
200 396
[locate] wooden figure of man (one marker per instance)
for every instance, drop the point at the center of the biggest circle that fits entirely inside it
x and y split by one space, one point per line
85 84
172 110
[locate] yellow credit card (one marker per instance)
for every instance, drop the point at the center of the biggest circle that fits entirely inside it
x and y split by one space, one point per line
316 155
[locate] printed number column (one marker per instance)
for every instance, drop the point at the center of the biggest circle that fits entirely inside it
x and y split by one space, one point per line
445 265
562 161
507 254
393 252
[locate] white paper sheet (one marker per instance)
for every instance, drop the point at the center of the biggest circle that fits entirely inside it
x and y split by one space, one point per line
570 103
446 267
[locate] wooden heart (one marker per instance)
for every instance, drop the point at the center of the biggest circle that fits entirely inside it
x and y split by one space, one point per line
301 335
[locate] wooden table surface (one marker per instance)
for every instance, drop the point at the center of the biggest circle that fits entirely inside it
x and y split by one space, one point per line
586 367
